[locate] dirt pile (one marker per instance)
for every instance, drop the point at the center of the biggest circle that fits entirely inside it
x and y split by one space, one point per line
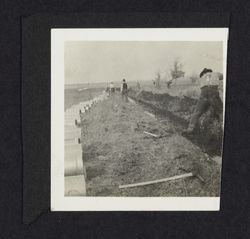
208 134
167 103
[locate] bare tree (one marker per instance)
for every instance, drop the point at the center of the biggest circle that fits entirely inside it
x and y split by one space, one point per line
177 71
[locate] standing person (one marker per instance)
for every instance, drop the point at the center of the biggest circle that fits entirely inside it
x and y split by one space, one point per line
209 97
138 85
111 89
124 90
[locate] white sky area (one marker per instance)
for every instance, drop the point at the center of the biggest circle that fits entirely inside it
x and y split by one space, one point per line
90 62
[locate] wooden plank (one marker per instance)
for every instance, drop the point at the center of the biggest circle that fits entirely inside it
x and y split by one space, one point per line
154 135
131 100
186 175
152 115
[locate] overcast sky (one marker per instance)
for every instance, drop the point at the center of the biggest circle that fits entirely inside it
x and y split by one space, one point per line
112 61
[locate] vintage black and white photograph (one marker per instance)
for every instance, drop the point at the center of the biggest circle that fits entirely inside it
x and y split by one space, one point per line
138 116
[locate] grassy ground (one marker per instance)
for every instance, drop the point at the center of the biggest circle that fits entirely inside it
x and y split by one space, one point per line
117 151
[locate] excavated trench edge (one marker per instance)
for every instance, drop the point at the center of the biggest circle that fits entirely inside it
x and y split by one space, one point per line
182 122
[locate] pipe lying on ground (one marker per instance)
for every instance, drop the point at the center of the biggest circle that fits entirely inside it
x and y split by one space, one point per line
186 175
154 135
72 147
152 115
72 135
72 141
70 123
74 166
75 185
71 128
131 101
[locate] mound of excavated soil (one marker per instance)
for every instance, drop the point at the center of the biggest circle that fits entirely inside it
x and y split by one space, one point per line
117 151
209 133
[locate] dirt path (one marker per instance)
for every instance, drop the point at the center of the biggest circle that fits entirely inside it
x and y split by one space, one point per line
117 151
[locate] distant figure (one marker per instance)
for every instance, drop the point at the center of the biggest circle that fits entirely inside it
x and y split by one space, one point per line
209 97
138 85
124 90
111 89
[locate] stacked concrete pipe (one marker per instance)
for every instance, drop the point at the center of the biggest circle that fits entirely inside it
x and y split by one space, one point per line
74 168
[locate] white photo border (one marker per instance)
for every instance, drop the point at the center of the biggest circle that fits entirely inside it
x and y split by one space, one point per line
58 37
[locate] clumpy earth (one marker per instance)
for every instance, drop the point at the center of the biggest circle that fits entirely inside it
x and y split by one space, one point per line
208 135
116 151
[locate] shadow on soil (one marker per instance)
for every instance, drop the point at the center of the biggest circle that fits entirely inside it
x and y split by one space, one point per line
209 133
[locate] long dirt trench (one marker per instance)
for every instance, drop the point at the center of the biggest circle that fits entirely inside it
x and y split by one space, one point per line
117 151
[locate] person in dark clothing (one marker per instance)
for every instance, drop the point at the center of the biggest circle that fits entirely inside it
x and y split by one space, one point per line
124 90
209 97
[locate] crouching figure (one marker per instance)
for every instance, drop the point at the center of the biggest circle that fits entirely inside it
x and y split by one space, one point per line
209 98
